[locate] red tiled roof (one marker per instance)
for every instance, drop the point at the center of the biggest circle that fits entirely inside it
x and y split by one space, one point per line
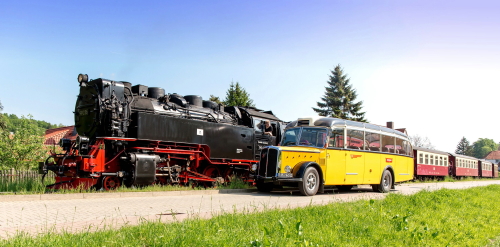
52 136
493 155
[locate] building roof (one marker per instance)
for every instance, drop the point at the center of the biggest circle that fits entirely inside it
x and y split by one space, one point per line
52 136
493 155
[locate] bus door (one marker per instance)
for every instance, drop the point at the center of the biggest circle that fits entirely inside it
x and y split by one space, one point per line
355 159
354 167
335 158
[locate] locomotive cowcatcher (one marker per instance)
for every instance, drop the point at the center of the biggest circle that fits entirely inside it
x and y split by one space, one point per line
138 135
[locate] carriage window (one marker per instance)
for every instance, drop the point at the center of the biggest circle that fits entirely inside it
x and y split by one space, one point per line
337 138
421 158
373 140
388 143
426 159
432 159
355 139
445 161
441 160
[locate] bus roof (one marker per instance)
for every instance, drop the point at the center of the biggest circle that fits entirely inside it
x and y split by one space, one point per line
337 122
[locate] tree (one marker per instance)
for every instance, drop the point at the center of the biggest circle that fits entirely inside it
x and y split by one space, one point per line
12 122
420 141
215 99
464 147
24 148
482 147
339 100
2 121
237 96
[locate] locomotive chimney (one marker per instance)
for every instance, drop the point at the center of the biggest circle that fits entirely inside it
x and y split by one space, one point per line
390 125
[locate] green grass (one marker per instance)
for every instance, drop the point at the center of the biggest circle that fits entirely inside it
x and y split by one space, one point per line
23 185
440 218
35 186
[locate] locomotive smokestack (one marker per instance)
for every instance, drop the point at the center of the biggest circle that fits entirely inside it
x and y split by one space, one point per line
390 125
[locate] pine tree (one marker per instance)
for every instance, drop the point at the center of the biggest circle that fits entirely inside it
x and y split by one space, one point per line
237 96
339 100
464 147
215 99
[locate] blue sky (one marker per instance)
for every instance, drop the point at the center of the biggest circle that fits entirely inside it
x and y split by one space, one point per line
429 66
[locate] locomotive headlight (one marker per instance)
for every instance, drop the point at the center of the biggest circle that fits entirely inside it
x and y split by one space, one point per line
83 78
288 169
254 167
81 140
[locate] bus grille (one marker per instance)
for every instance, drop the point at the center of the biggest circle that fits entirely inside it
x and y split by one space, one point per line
268 162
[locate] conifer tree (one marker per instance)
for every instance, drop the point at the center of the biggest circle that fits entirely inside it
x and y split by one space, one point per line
215 99
339 100
237 96
464 147
2 122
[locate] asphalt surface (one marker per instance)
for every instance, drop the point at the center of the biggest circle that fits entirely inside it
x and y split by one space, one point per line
39 214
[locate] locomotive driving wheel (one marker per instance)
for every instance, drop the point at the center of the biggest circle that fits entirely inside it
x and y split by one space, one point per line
110 183
213 172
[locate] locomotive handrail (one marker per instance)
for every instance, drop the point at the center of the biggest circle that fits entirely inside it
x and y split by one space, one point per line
180 151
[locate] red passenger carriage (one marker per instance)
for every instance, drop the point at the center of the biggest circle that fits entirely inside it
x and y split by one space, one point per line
463 166
485 169
430 163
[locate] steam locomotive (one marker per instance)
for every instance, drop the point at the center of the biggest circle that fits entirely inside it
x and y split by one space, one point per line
138 135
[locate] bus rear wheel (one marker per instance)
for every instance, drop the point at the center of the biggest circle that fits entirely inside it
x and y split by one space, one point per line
310 182
385 183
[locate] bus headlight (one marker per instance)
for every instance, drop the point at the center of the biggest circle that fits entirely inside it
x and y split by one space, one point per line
254 167
288 169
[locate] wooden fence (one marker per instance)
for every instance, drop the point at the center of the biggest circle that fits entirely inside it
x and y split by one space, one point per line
13 174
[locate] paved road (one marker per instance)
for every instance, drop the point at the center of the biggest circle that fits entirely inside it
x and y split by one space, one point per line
40 214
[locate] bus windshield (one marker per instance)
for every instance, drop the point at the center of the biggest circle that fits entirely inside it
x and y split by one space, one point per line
314 137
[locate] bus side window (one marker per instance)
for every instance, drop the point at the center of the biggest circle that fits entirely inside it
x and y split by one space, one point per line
355 139
388 144
400 146
337 138
373 140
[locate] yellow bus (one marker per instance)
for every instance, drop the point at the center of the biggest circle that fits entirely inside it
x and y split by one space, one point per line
315 153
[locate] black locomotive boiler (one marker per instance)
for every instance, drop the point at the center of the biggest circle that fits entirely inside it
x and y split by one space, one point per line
138 135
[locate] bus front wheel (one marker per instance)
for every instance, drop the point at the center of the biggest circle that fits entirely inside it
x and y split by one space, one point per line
385 183
310 182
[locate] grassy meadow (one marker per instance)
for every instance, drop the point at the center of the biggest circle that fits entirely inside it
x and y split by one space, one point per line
35 186
440 218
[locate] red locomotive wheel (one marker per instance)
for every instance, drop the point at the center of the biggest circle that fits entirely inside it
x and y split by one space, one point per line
211 171
110 183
